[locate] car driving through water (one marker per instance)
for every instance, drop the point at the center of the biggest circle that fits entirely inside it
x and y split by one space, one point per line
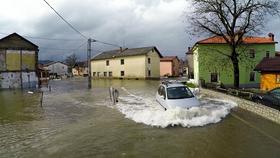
175 94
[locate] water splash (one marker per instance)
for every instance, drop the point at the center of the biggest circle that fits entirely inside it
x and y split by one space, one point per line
148 111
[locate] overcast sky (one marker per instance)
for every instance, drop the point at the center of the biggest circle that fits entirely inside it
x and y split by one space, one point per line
129 23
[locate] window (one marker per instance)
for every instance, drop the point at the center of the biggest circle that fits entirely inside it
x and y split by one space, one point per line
62 67
98 73
149 73
278 78
214 77
252 76
267 54
179 93
105 74
122 61
149 60
191 75
107 63
110 74
161 91
252 53
122 73
94 73
275 92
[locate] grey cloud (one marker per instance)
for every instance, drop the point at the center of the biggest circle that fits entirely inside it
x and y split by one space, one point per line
121 25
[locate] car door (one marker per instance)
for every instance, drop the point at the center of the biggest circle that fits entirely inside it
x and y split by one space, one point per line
161 96
267 99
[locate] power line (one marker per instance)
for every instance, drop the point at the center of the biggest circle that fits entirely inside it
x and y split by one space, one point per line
65 20
115 45
76 29
78 48
44 38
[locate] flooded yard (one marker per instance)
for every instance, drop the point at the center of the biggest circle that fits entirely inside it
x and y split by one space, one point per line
76 122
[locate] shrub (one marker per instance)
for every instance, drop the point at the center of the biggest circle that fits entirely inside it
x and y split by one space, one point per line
191 85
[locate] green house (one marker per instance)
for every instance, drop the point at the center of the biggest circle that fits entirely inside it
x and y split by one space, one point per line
211 65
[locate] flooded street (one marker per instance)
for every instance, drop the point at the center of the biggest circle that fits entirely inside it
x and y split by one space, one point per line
76 122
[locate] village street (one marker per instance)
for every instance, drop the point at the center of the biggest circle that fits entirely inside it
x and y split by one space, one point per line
76 122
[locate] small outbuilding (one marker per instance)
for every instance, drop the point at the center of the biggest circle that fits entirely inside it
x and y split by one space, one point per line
270 73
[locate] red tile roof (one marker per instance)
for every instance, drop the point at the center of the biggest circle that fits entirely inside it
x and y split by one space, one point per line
168 58
246 40
269 65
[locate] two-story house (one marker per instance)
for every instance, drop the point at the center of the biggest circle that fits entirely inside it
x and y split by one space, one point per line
18 62
211 65
56 69
170 66
137 63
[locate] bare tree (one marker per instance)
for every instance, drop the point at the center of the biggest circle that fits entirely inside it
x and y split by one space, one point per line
231 20
71 60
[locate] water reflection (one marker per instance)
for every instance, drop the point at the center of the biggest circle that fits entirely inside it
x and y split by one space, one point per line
77 122
18 105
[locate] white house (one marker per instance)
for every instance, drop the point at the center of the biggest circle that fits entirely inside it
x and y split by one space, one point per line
56 69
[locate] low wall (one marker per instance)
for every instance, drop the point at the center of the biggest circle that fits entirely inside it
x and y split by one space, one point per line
259 109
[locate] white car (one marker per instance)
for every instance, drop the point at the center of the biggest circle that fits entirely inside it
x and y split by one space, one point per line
171 95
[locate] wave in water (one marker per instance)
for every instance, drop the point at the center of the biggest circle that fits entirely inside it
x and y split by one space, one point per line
148 111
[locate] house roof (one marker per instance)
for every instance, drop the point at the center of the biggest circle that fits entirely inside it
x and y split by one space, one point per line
245 40
81 64
269 65
43 62
126 52
53 62
15 41
169 58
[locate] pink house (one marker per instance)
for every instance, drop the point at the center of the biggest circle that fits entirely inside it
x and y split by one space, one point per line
169 66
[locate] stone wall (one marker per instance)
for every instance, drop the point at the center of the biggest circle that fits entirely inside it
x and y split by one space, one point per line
259 109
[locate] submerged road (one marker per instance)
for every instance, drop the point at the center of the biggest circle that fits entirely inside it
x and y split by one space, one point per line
76 122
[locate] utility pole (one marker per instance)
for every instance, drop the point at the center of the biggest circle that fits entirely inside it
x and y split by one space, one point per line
89 60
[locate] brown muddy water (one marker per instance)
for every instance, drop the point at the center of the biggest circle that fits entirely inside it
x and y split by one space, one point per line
76 122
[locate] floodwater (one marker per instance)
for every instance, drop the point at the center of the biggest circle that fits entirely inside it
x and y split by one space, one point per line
76 122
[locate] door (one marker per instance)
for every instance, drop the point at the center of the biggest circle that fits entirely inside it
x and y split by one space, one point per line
161 96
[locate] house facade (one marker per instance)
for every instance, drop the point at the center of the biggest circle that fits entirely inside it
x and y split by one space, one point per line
170 66
137 63
189 64
80 69
56 69
210 65
18 62
269 69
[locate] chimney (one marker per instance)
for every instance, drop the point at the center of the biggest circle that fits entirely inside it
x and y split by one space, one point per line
189 50
271 35
122 50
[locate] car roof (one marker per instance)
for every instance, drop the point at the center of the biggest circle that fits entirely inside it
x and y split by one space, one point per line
174 84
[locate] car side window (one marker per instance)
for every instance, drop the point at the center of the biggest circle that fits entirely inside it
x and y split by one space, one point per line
159 90
163 92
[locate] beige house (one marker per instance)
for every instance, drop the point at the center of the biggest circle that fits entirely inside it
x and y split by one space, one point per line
136 63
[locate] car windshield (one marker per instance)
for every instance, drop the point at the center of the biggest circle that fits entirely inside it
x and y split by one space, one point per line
276 92
179 93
